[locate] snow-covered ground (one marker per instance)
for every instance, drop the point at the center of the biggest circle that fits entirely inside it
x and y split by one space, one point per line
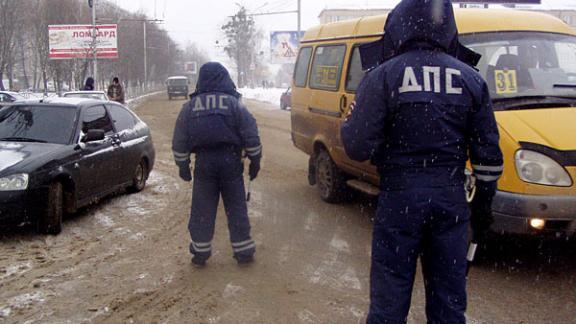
269 95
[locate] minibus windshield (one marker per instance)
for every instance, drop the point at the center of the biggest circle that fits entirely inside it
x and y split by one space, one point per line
526 64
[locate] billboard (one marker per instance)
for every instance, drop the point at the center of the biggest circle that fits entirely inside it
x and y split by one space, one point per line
284 46
191 67
499 1
76 41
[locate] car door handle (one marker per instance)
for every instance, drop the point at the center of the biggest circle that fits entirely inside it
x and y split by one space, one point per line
343 103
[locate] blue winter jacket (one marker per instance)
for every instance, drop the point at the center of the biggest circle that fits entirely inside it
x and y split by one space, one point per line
422 113
214 118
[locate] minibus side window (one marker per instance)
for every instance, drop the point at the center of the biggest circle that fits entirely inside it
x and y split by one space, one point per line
327 67
355 73
301 70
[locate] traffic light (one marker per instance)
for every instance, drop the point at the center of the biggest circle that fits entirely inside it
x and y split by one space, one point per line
90 3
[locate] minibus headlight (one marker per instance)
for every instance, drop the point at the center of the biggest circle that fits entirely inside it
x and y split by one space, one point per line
14 182
534 167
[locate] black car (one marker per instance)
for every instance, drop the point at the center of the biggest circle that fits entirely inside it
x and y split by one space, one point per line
57 157
177 86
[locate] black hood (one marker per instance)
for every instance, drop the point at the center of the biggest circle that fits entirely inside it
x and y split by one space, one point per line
418 23
215 78
23 157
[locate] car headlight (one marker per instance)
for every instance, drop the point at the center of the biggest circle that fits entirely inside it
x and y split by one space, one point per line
534 167
14 182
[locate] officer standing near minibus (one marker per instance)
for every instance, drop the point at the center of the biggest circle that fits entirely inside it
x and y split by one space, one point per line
419 116
218 129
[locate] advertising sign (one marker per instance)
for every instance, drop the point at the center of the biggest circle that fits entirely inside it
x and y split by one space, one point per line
191 67
499 1
284 46
76 41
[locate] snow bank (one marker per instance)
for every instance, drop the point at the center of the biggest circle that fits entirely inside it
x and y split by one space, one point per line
269 95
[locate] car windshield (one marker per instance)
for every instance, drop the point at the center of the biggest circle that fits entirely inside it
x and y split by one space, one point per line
519 65
178 82
47 124
98 96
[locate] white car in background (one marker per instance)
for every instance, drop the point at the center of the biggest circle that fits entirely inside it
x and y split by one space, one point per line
10 96
99 95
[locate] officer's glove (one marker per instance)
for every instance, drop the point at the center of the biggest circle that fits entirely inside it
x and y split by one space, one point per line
481 209
254 168
184 171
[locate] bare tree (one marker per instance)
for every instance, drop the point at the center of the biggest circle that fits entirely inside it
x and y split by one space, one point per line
24 50
9 11
242 37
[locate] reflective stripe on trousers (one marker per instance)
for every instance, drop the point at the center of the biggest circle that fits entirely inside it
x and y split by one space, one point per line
219 173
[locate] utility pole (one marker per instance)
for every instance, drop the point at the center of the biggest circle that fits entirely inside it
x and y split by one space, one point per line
145 55
299 19
94 44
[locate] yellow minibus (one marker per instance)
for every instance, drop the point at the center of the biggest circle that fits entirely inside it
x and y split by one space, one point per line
529 63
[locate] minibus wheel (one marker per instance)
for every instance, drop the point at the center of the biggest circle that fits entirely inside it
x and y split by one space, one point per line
330 180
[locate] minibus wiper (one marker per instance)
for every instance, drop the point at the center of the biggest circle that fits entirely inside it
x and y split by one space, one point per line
21 139
535 97
565 86
533 102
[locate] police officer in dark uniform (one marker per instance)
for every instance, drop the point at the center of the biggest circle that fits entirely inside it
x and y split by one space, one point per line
218 128
419 116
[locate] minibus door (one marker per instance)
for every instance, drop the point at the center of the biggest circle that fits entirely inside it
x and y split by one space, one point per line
354 75
326 96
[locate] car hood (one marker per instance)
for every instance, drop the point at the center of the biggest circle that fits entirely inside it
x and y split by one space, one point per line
552 127
16 157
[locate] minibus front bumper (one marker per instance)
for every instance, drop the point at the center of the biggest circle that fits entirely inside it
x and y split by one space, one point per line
531 214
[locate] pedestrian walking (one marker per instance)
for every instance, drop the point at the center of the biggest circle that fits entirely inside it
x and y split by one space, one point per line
88 85
116 91
216 127
419 116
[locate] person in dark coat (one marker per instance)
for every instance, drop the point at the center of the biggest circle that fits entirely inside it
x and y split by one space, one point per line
217 128
419 116
89 84
116 91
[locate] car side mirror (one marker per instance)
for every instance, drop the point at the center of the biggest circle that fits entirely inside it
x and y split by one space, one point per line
94 135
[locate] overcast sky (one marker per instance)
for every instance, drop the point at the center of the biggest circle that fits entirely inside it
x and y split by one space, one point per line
199 21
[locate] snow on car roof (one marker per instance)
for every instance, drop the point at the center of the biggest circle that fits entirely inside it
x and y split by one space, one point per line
70 101
82 92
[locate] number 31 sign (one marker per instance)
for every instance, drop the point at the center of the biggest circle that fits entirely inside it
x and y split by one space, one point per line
506 81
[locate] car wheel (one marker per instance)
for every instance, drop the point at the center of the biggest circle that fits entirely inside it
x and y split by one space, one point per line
140 177
283 106
51 221
330 180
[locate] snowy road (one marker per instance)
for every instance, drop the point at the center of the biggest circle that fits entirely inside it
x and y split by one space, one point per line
125 260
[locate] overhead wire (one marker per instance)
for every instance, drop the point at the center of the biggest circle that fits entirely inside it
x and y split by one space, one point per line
272 6
281 5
